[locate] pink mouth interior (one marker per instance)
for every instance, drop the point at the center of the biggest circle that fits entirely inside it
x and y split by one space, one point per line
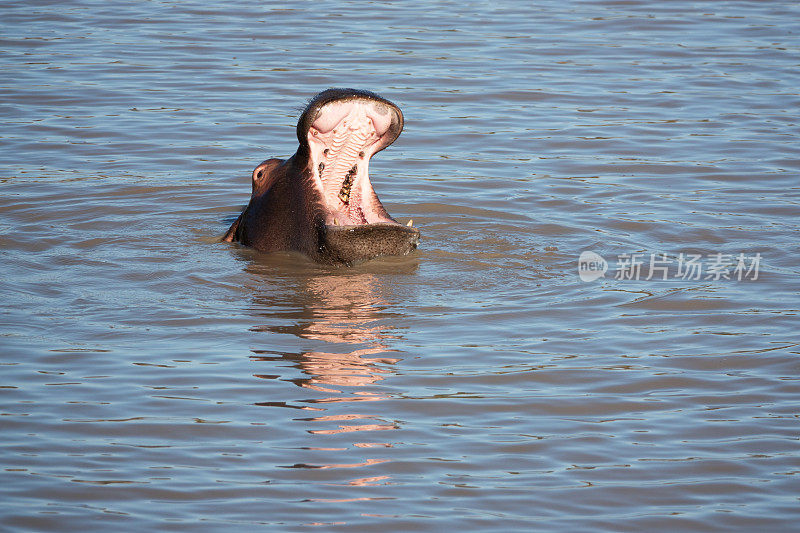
342 139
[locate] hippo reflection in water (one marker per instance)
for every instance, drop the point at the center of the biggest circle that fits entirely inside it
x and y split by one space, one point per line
320 201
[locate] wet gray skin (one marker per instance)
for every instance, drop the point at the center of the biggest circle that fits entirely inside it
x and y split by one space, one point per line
320 201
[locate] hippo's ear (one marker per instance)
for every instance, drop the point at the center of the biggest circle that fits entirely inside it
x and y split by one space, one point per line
264 174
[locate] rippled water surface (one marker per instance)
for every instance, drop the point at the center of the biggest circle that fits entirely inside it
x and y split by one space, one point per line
155 379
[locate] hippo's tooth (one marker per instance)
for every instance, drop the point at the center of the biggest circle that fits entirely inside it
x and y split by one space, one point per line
347 184
335 222
410 222
344 193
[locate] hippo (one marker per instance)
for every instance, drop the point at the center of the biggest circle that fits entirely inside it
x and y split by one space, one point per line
320 201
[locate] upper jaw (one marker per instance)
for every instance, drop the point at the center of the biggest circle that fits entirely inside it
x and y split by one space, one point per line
312 111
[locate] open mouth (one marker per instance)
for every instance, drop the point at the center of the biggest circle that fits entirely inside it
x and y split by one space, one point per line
342 138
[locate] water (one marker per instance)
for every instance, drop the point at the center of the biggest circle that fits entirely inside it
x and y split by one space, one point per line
156 379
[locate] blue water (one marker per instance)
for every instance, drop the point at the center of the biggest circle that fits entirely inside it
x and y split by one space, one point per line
154 378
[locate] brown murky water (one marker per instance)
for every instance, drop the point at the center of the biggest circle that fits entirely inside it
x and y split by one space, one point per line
156 379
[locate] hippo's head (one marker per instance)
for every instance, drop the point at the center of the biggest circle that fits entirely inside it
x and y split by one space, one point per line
321 201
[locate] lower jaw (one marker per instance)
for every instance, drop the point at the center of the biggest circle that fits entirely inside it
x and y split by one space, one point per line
359 242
